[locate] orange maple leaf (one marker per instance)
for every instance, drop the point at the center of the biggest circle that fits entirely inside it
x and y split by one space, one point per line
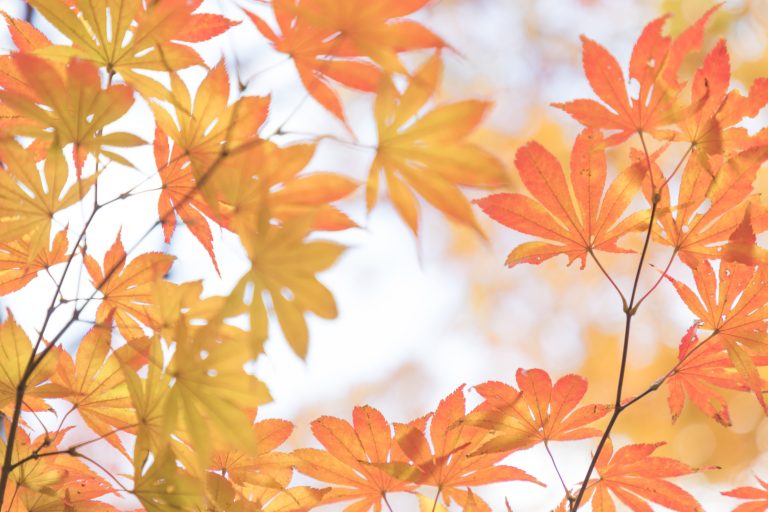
636 477
179 195
348 461
654 64
732 305
209 128
711 129
51 478
328 40
450 462
724 185
18 266
699 369
591 222
95 386
758 497
262 468
74 105
127 289
538 412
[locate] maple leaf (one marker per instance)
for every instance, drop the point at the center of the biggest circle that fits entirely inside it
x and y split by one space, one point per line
654 64
179 195
74 105
266 183
15 354
25 36
127 289
724 185
326 41
711 129
95 386
210 128
48 478
210 392
591 222
284 265
428 153
450 463
27 39
18 266
295 499
29 199
263 468
698 370
148 396
758 497
732 305
348 461
163 485
128 35
636 477
309 49
538 412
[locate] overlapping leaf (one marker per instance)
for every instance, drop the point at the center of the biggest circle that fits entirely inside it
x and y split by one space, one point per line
654 64
209 128
348 461
210 392
329 40
29 199
128 35
711 129
636 477
268 184
48 479
18 266
180 195
428 154
538 411
74 105
757 497
162 485
127 288
95 386
590 222
449 462
264 471
732 304
15 354
724 187
698 371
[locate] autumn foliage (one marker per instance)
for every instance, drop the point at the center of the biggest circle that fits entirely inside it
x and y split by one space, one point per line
160 379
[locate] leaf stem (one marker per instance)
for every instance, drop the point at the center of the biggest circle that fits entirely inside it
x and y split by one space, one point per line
608 276
568 495
437 496
386 502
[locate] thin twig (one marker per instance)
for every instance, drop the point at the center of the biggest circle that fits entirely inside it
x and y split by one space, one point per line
629 311
557 470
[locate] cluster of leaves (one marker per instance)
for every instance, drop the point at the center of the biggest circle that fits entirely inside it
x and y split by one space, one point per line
160 378
710 226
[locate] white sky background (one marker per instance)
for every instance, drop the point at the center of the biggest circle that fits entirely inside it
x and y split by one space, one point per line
406 335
